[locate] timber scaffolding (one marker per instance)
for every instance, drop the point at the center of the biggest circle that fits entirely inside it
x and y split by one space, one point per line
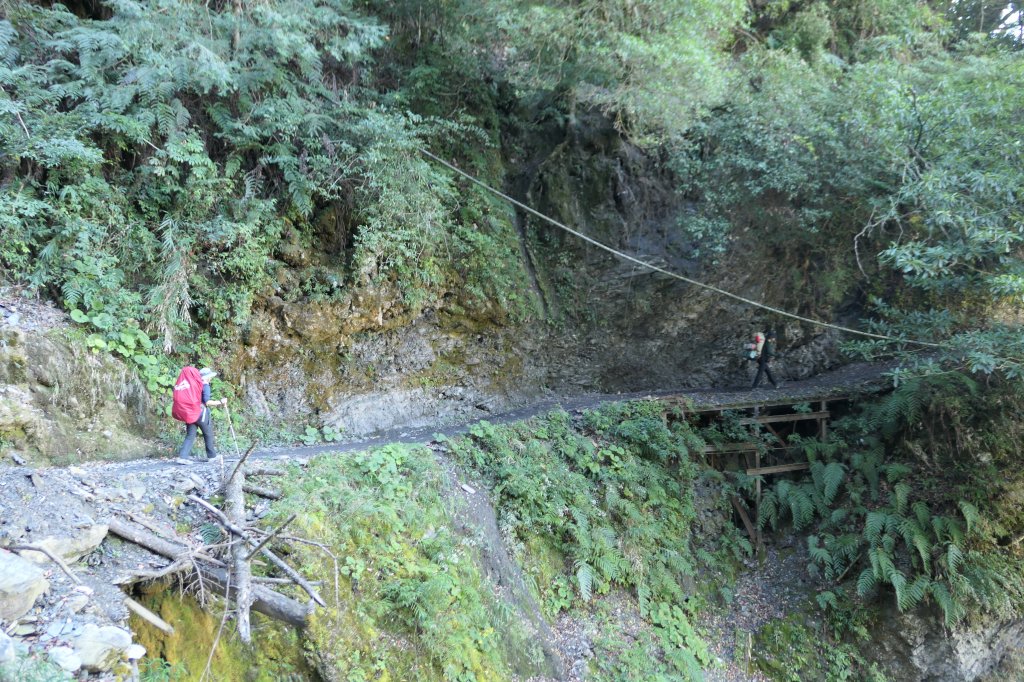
778 420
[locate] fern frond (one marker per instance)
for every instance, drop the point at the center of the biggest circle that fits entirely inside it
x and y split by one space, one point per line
832 479
901 494
866 582
818 554
954 558
874 524
585 581
971 515
923 514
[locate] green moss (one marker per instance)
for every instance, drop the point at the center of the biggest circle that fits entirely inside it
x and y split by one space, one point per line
410 602
801 647
278 651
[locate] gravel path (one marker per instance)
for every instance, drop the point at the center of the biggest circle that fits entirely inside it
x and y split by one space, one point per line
771 588
849 379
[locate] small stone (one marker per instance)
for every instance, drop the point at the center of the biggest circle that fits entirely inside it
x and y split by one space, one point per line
66 658
135 652
100 648
77 471
77 602
7 650
468 489
55 628
108 434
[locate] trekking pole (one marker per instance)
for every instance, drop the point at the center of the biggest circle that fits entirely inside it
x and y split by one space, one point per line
231 427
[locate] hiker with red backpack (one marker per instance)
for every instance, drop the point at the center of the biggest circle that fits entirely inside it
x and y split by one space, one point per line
192 406
765 347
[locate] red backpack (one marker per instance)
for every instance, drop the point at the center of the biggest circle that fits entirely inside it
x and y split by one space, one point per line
188 396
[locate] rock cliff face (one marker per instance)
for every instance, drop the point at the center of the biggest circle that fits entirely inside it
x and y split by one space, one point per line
60 403
915 647
369 362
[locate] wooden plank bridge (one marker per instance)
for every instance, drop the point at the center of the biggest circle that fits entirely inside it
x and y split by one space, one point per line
776 420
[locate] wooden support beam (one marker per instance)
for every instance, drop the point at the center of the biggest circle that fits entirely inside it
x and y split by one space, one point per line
778 469
776 418
745 518
757 500
730 447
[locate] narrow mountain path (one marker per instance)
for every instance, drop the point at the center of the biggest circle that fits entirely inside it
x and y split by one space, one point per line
849 379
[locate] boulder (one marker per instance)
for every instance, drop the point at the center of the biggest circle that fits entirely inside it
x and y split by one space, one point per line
8 652
68 548
66 658
916 646
21 582
101 648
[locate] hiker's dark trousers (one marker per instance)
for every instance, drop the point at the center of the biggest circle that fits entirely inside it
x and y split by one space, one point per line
764 367
205 424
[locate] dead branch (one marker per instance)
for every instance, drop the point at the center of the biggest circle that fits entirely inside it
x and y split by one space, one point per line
270 537
241 463
140 576
274 559
220 629
53 557
148 616
265 600
280 581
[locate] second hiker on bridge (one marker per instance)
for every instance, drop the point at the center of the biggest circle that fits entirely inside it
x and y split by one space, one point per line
192 406
766 352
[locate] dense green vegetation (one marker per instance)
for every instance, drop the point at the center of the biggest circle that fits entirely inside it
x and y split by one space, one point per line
162 162
915 497
588 508
168 165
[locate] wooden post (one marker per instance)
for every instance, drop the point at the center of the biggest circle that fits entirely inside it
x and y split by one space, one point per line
757 500
823 424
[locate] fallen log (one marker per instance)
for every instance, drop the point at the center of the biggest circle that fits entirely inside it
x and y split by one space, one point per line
260 491
241 572
257 470
265 600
